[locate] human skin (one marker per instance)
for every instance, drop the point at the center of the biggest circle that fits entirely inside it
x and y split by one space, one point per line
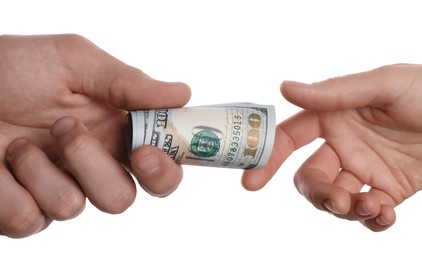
63 105
371 126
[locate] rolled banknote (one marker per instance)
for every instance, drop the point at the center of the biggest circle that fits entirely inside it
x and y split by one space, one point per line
239 135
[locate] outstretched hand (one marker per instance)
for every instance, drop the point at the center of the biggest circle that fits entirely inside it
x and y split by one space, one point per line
63 104
372 127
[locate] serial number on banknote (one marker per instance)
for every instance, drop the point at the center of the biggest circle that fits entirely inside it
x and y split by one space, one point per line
235 140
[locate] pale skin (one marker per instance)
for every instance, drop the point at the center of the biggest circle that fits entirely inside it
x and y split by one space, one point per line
63 104
372 128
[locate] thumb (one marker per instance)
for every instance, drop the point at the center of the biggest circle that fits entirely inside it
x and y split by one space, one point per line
376 88
97 74
131 89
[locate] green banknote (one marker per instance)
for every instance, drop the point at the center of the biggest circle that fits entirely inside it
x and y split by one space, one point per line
238 135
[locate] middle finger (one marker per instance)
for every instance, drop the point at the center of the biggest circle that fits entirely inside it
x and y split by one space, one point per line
104 180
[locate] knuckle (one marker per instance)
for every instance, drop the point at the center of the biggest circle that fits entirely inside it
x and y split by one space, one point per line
386 69
68 205
78 146
22 222
385 75
119 200
73 38
26 156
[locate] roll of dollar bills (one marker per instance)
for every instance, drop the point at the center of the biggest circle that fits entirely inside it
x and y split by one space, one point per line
239 135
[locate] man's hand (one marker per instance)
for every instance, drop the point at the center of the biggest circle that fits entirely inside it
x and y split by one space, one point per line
63 104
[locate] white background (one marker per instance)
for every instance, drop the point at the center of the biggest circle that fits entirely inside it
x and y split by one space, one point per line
229 51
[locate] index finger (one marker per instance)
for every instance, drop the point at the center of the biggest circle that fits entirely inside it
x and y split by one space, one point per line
376 88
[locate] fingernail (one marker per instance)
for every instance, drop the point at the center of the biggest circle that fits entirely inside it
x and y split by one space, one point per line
148 164
330 206
63 126
381 221
15 145
293 83
362 210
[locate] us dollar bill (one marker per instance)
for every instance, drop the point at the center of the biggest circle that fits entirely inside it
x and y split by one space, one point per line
238 135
